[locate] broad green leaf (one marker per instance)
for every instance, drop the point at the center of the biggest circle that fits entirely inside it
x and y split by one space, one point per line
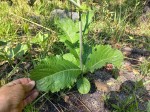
101 55
73 48
18 51
55 73
39 38
70 30
86 51
76 51
70 57
83 85
86 20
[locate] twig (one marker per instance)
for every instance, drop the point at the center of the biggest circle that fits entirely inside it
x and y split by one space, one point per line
33 22
132 59
61 106
82 103
15 67
53 104
39 98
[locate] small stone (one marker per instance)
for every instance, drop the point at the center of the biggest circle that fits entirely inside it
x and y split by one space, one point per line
64 14
101 86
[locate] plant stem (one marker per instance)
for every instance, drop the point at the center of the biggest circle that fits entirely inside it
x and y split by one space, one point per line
81 41
80 37
78 4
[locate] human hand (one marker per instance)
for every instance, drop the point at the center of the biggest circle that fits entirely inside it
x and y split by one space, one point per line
15 95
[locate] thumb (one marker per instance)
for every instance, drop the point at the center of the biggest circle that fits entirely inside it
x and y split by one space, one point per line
29 86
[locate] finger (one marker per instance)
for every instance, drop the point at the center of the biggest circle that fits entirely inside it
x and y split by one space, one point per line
30 98
25 80
19 81
29 86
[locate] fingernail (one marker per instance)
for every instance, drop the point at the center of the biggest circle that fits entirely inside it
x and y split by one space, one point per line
36 93
32 83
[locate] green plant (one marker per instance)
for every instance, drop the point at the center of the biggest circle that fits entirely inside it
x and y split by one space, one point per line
8 53
145 67
129 104
41 40
58 72
30 108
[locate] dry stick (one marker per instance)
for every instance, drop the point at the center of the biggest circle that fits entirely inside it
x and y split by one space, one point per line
39 98
132 59
15 68
33 22
82 103
41 105
53 104
62 107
